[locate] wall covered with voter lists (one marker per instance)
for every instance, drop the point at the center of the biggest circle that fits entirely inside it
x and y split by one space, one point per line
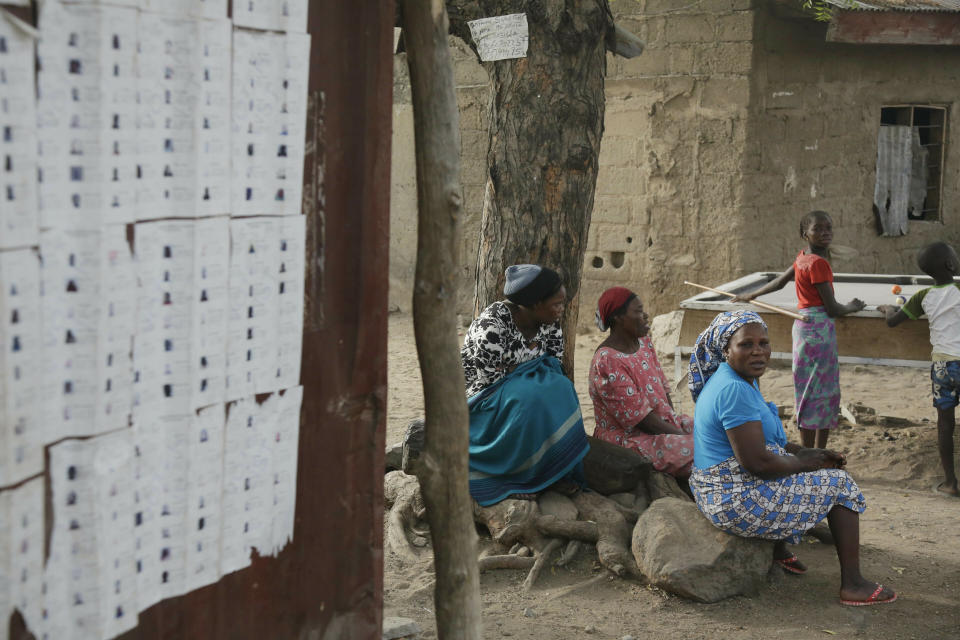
151 301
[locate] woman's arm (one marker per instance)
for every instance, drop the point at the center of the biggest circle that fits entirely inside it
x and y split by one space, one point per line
833 307
654 424
774 285
750 449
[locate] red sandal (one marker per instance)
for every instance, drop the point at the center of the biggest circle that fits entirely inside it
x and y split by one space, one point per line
791 564
873 599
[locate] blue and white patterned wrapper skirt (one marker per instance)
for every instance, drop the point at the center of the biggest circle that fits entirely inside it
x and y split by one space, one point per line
744 504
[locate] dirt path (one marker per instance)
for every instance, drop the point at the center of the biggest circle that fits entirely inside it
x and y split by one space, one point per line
910 538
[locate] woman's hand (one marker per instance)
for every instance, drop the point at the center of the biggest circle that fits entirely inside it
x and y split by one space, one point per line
839 460
654 425
815 459
743 297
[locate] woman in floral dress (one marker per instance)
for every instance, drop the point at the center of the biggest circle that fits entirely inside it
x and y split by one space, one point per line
631 402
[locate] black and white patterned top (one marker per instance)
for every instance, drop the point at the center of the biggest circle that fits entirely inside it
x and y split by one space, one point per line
494 346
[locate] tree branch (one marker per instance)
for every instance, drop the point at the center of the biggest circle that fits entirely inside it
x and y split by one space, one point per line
443 466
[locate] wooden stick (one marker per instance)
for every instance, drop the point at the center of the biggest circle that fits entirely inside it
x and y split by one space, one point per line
442 469
763 305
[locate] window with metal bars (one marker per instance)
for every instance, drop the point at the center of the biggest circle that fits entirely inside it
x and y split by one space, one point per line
910 154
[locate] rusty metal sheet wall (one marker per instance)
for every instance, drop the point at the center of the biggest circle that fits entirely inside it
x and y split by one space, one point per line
895 27
328 583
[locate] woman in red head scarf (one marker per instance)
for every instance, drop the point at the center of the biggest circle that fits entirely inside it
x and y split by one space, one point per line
629 391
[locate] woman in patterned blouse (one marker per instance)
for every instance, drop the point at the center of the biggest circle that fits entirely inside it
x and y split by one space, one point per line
526 432
513 331
630 395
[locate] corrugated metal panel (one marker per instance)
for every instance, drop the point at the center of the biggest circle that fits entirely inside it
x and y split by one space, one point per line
949 6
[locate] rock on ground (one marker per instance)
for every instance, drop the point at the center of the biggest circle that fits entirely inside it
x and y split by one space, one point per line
665 333
395 628
678 550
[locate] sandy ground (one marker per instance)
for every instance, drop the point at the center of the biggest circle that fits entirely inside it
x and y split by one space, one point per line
910 538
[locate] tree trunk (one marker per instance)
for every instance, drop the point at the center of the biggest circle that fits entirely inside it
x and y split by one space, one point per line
443 464
546 121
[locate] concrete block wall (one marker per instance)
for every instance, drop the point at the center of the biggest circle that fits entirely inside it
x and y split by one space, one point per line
812 143
672 152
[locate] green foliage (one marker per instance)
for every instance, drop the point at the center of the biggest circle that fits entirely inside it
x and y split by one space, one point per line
821 10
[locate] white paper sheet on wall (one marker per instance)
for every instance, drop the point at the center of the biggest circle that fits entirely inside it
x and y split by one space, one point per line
162 379
273 15
252 330
86 114
284 462
114 468
22 432
268 117
70 309
6 574
183 117
247 489
26 533
88 308
259 477
136 4
18 137
180 346
204 491
72 583
161 507
500 37
117 323
211 307
91 573
189 8
266 305
290 275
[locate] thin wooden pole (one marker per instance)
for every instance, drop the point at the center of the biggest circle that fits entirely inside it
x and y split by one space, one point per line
443 466
762 305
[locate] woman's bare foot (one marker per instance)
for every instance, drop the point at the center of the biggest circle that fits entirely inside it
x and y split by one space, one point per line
866 593
947 489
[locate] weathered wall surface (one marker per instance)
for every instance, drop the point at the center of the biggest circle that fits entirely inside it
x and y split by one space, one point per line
672 151
670 156
472 86
812 143
733 123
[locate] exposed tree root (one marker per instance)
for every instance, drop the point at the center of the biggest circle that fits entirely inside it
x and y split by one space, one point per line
613 533
533 530
541 560
570 553
508 561
401 493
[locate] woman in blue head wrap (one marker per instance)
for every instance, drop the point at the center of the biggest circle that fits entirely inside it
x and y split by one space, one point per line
526 430
747 479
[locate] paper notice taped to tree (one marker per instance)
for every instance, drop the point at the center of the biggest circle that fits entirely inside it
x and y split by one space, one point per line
500 37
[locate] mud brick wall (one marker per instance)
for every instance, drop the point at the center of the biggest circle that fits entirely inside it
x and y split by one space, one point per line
672 151
472 85
736 120
812 142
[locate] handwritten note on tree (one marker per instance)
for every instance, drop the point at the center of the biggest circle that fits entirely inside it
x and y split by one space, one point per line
501 37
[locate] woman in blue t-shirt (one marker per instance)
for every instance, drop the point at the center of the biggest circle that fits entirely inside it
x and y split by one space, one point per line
747 479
